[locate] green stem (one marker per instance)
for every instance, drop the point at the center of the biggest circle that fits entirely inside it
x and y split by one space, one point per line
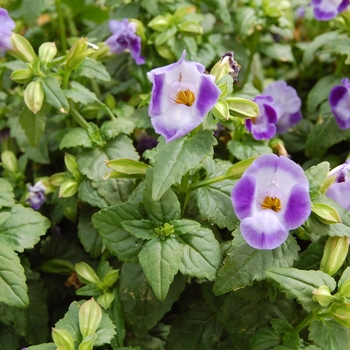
61 26
207 182
185 193
78 118
340 66
246 76
72 28
305 322
66 78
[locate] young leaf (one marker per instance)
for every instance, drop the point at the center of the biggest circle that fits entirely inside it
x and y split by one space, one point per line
93 69
53 94
143 229
79 93
33 125
76 137
248 148
160 259
317 176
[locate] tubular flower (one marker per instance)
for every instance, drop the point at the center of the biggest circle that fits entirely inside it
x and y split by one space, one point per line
270 199
263 126
339 99
124 38
286 103
339 191
181 97
324 10
36 195
6 26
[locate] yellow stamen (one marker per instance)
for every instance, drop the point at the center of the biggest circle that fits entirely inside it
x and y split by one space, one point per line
185 97
273 203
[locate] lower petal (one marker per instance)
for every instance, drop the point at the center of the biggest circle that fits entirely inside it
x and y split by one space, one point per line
264 230
340 193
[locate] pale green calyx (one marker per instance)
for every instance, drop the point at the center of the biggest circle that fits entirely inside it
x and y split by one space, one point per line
165 230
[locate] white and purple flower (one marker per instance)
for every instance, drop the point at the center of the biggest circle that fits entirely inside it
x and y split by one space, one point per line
270 199
339 191
286 103
124 38
36 195
263 126
324 10
339 99
181 97
6 27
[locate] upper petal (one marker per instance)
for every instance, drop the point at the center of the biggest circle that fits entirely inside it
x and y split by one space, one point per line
340 192
339 99
207 95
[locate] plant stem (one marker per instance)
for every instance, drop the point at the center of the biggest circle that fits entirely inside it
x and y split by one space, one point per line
78 118
185 193
207 182
305 322
61 26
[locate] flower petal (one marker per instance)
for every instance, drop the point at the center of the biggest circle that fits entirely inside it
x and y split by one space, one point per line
264 230
340 192
339 99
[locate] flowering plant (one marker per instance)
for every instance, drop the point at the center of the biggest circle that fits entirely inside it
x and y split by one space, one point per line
174 175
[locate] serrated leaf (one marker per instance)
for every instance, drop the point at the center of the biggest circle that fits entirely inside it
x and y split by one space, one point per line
79 93
183 226
316 176
160 262
23 229
280 52
201 254
76 137
265 338
92 69
54 95
143 229
248 148
176 158
6 194
118 241
9 339
112 128
244 264
13 288
89 194
300 284
141 307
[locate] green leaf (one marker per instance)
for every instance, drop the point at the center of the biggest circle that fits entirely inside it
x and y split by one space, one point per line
9 339
265 338
76 137
310 258
89 194
160 262
244 264
118 241
316 176
300 284
32 124
201 254
143 229
183 226
23 229
54 95
13 288
112 128
127 166
79 93
248 148
176 158
329 335
246 20
280 52
6 194
141 308
46 346
92 69
214 201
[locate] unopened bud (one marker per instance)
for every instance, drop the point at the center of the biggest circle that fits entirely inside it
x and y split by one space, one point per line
9 161
106 299
226 65
341 313
68 188
22 48
62 337
322 295
88 342
71 163
90 315
47 52
77 54
334 254
345 289
111 277
86 273
34 96
326 214
160 23
58 179
21 76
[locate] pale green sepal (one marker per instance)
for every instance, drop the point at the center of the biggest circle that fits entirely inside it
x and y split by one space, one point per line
86 273
62 337
326 214
237 170
9 161
34 96
127 166
111 277
159 23
58 179
145 100
68 188
22 48
191 27
90 315
106 300
21 76
71 163
243 108
221 110
47 52
322 295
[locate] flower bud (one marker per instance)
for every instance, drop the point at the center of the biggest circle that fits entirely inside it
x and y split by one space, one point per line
165 230
47 52
326 214
334 254
90 315
345 289
22 49
341 313
160 23
77 54
62 338
221 110
106 299
322 295
68 188
9 161
21 76
71 163
88 342
226 65
111 277
86 273
34 96
58 179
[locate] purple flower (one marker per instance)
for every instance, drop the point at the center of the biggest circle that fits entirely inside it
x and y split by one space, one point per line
339 191
270 199
339 99
286 103
124 38
6 27
263 126
181 97
36 195
324 10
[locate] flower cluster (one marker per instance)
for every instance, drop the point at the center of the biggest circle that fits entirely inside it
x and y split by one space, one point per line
36 195
6 27
270 199
324 10
181 97
124 38
339 99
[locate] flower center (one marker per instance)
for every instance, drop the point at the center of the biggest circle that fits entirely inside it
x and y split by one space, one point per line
185 97
273 203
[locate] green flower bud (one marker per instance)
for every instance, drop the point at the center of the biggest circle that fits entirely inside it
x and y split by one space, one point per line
334 254
221 110
21 76
226 65
58 179
191 27
326 214
90 315
106 299
111 277
47 52
86 273
9 162
86 345
165 230
77 54
62 338
68 188
341 313
345 289
322 295
34 96
160 23
22 49
71 163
